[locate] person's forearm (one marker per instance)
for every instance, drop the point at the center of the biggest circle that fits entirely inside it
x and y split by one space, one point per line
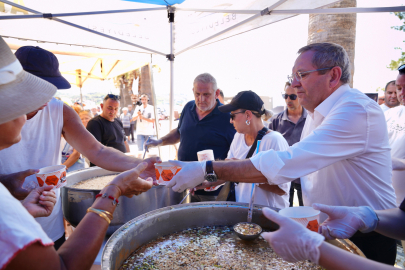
72 159
82 247
238 171
334 258
151 120
391 223
172 138
9 182
116 160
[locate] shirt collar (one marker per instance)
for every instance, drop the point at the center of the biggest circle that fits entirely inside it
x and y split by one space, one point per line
325 107
303 115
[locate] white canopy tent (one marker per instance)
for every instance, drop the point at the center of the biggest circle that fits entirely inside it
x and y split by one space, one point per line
127 28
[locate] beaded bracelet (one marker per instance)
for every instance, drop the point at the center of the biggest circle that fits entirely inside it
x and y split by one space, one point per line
105 195
101 213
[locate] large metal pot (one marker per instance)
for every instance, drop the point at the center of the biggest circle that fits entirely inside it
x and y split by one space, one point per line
75 202
152 225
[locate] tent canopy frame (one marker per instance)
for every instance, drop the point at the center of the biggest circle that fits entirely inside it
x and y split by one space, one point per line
171 11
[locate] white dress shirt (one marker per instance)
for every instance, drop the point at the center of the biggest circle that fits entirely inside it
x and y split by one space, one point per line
396 134
343 157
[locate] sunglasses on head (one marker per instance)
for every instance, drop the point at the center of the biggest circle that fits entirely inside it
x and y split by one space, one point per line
111 96
234 114
292 96
402 68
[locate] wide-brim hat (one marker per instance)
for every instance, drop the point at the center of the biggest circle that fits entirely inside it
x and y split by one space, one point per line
20 91
247 100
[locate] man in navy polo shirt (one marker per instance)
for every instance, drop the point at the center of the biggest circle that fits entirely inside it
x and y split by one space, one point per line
202 126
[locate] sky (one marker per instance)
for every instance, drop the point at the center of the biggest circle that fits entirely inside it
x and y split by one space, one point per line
260 60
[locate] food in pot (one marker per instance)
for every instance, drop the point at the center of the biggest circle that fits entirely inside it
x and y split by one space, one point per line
97 183
247 228
209 247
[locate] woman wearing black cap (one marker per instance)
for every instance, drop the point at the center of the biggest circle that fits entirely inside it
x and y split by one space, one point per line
247 111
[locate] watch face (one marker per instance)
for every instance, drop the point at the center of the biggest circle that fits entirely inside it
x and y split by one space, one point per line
211 177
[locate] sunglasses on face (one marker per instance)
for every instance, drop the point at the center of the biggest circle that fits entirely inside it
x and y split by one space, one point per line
292 96
234 114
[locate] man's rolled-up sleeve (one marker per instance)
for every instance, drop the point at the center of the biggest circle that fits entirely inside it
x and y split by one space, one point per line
343 134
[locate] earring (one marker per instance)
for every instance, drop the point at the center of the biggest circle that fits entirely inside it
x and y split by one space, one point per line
247 122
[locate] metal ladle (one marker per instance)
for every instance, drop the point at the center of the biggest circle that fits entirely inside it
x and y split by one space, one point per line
250 211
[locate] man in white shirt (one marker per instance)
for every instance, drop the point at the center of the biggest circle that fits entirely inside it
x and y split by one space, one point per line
343 157
390 98
145 118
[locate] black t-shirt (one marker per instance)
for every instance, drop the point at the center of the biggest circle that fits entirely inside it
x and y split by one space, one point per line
108 133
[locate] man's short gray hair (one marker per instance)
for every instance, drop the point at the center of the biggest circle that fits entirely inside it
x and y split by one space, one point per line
206 78
329 55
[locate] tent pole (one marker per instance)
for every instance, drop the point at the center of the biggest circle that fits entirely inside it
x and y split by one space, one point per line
170 57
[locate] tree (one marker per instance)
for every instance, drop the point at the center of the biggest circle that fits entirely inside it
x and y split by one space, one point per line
395 64
335 28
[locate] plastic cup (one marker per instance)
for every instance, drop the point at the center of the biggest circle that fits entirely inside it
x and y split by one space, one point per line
52 175
306 215
165 172
205 155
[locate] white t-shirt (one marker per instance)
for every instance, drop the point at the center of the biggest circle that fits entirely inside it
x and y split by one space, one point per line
144 127
384 107
396 134
18 229
343 157
274 140
39 147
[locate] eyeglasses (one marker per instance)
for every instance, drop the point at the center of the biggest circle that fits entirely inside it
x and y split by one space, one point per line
111 96
233 115
401 67
298 75
292 96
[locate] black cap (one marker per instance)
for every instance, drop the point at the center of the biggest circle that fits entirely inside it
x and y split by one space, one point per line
247 100
43 64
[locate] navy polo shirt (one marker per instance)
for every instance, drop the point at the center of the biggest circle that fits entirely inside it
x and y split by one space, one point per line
214 132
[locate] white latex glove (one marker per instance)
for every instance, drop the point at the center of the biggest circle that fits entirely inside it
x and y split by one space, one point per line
152 143
343 221
191 175
292 241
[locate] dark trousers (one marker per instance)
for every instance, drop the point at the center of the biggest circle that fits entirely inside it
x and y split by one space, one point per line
297 187
131 131
377 247
59 242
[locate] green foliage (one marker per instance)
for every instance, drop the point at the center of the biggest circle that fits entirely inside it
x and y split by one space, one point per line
395 64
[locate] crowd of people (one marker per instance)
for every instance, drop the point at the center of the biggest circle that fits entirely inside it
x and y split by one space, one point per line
338 149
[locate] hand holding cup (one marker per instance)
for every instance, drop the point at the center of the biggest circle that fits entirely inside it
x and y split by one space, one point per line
130 183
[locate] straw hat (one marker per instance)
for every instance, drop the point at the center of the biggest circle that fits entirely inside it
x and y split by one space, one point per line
20 91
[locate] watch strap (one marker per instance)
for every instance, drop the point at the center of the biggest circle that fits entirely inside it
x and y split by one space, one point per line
209 169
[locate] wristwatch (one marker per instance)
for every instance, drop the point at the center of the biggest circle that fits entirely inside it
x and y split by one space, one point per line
210 175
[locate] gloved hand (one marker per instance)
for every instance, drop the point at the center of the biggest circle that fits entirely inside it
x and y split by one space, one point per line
152 143
292 241
343 221
191 175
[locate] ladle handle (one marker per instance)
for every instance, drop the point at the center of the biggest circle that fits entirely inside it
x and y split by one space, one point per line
249 218
252 195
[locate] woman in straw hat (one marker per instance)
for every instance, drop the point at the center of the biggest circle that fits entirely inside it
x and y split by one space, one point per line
23 243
